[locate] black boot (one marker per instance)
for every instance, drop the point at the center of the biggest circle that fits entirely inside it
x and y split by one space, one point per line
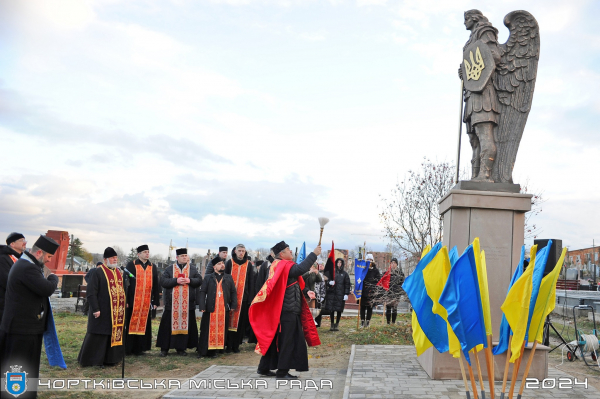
362 324
336 327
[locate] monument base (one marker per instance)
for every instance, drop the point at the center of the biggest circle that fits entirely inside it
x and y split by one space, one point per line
498 219
485 186
442 366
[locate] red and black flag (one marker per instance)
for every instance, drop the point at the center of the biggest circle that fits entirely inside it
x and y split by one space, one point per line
330 264
385 280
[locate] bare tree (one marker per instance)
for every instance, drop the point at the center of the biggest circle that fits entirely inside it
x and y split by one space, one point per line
532 230
411 218
262 253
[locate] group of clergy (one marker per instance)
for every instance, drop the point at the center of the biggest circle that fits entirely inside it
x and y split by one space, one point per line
237 301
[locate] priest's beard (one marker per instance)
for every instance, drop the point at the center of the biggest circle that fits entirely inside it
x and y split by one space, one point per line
111 265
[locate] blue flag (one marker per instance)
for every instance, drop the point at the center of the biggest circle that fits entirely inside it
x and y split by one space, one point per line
453 255
53 352
360 272
462 301
505 331
541 258
302 253
433 325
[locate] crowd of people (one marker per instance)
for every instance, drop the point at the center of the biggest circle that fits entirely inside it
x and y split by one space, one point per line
232 296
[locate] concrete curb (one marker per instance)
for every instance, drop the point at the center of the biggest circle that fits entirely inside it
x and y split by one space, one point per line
349 374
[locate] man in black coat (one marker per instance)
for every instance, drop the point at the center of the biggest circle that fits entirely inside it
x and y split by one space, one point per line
222 255
26 311
288 347
244 288
9 254
172 333
217 299
263 273
337 293
146 286
103 342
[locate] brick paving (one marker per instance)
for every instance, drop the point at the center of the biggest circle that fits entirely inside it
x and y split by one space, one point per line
216 379
373 372
392 371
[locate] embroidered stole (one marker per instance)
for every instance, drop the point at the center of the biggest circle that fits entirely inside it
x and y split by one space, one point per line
238 273
180 302
216 331
141 300
117 304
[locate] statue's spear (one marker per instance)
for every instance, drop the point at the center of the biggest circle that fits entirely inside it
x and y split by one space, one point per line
322 222
460 123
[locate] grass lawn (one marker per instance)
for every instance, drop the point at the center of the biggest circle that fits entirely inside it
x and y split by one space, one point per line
333 352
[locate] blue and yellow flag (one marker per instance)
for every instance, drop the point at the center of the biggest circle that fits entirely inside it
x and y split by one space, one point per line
541 258
516 307
462 301
546 301
435 275
433 325
505 331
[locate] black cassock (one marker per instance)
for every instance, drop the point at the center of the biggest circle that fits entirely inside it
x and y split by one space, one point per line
96 349
179 342
136 344
290 339
25 319
235 338
206 302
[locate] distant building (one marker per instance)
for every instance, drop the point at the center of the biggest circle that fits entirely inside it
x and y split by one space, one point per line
79 264
581 258
382 259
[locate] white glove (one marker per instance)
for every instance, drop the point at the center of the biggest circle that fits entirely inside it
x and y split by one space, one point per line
332 282
345 297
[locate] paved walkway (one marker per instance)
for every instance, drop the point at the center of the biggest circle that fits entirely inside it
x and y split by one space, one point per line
392 371
374 371
313 384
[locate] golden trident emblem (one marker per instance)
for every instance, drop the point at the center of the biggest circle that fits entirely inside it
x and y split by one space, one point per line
474 68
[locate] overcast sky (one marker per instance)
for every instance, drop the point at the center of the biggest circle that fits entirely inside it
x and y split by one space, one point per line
131 122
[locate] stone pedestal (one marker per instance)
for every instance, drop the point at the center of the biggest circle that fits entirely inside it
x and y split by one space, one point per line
498 219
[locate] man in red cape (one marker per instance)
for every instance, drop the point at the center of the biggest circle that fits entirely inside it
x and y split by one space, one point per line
280 316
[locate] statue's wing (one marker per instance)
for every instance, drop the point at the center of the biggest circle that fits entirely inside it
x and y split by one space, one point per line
514 82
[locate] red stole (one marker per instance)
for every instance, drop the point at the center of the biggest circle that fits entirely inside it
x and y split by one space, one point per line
180 302
117 303
141 300
265 309
14 259
216 330
238 273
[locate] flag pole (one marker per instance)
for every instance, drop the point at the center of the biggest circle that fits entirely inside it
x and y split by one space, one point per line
489 360
479 373
529 362
515 373
506 365
460 122
472 378
464 376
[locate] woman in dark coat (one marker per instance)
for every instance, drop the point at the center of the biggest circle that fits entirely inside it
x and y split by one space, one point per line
395 291
337 294
368 294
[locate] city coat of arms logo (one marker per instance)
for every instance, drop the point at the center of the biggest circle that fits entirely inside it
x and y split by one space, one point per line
15 381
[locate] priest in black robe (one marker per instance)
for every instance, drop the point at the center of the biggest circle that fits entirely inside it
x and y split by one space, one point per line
9 254
284 326
217 299
244 277
171 335
26 311
146 289
103 342
221 255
